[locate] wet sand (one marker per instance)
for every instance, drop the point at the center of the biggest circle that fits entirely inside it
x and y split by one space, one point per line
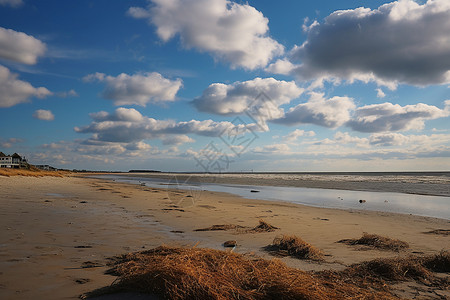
58 232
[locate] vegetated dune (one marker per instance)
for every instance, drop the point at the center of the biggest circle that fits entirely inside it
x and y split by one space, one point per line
32 172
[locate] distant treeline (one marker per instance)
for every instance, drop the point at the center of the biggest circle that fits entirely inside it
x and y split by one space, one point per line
144 171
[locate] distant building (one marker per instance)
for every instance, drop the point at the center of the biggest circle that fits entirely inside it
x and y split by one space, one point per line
45 167
14 161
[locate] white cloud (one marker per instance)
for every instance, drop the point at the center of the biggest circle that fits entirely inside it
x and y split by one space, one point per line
331 113
380 93
12 3
393 117
137 89
70 93
398 139
176 139
378 45
281 66
128 125
272 149
236 33
294 135
346 138
260 98
45 115
89 153
20 47
14 91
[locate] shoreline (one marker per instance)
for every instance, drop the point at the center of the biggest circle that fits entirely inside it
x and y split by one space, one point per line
425 185
401 203
59 232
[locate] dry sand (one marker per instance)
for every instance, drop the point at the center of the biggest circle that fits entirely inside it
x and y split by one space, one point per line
56 233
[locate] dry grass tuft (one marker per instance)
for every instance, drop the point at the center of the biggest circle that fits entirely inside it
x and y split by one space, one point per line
193 273
377 271
439 231
438 263
286 245
263 226
377 242
31 173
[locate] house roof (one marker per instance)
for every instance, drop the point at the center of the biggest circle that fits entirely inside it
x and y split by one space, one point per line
15 155
2 154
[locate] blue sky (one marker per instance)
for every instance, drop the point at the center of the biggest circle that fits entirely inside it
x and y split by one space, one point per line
216 85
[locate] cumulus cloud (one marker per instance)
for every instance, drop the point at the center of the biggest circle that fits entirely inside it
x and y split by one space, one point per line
397 139
128 125
89 153
20 47
380 93
331 113
393 117
281 66
137 89
14 91
176 139
45 115
400 42
294 135
236 33
260 98
11 3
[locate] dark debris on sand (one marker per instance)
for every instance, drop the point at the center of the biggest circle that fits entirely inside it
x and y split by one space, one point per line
377 241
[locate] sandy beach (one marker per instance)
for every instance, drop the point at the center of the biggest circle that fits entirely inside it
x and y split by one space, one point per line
57 232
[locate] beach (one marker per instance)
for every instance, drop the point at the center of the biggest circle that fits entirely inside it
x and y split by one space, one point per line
58 232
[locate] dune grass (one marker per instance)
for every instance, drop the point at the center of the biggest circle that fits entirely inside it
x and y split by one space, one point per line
290 245
196 273
377 241
31 172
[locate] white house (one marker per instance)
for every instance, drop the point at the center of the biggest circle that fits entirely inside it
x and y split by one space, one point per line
12 161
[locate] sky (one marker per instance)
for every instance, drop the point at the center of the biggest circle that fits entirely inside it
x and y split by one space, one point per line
227 86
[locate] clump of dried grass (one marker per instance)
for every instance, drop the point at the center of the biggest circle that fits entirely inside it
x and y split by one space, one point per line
290 245
263 226
438 262
377 241
377 271
193 273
